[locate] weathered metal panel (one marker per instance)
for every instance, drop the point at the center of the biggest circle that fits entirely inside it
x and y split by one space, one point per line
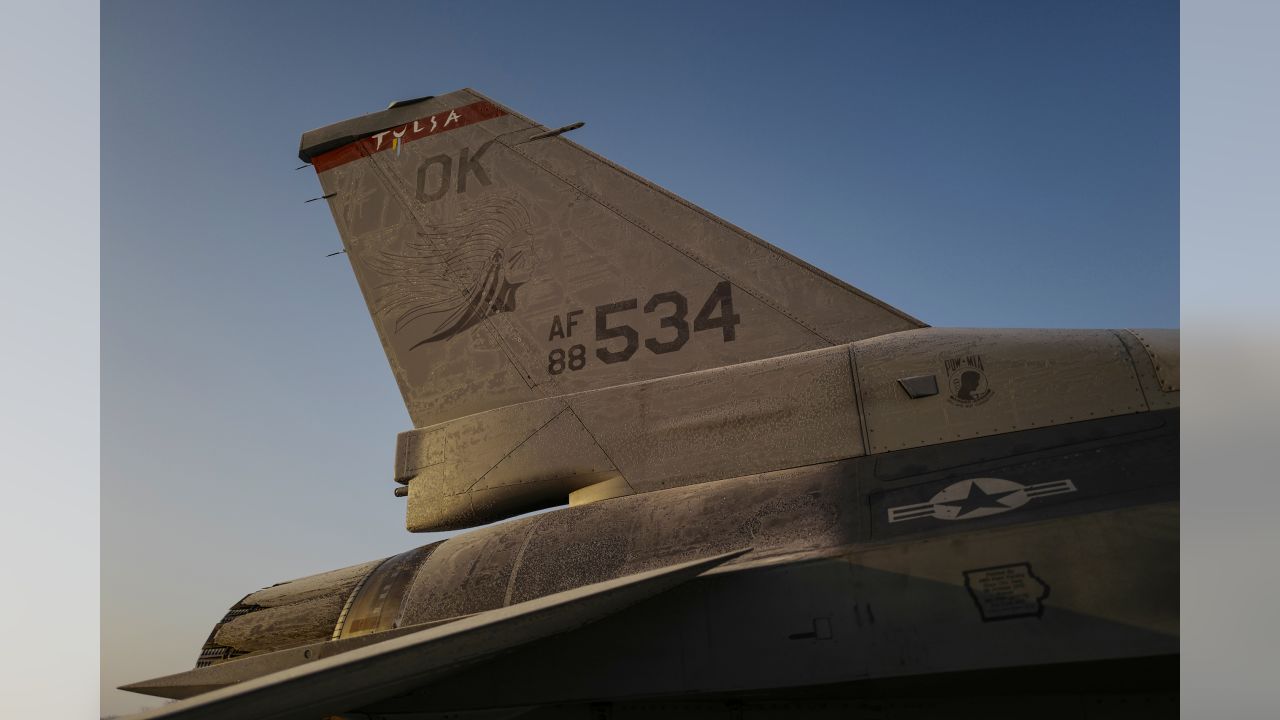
1081 588
374 672
993 381
497 464
810 297
291 613
374 605
749 418
468 573
477 249
1163 348
724 422
1159 395
1111 530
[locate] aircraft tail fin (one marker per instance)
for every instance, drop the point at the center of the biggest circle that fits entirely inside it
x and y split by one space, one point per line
503 263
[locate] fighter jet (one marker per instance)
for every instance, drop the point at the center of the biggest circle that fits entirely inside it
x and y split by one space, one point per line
776 496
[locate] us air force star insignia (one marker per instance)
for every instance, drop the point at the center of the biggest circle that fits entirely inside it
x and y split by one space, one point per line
979 497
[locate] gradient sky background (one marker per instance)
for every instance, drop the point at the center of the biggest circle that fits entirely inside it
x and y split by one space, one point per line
973 163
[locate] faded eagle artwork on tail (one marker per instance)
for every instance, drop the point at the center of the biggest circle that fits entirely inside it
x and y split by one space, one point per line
457 274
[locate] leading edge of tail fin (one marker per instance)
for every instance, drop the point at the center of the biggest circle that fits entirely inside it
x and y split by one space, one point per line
502 264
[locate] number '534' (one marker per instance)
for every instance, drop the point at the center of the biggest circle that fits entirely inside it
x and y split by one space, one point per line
616 341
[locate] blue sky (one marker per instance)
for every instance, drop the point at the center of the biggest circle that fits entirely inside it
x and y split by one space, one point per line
972 163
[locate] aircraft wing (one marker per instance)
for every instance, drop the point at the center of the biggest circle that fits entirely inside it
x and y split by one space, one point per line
396 666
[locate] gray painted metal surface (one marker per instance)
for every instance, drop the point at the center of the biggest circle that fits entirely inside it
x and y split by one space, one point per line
920 503
372 672
482 251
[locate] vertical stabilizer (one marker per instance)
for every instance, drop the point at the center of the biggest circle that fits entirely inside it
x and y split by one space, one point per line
503 263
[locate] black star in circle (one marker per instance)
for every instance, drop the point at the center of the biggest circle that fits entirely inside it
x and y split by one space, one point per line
979 498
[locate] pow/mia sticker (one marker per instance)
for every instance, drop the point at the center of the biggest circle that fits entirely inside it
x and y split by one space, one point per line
968 381
979 497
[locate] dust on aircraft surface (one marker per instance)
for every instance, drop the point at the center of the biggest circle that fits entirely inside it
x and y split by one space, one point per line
784 497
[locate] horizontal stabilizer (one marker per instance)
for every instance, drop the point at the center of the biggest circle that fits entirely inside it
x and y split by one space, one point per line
398 665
